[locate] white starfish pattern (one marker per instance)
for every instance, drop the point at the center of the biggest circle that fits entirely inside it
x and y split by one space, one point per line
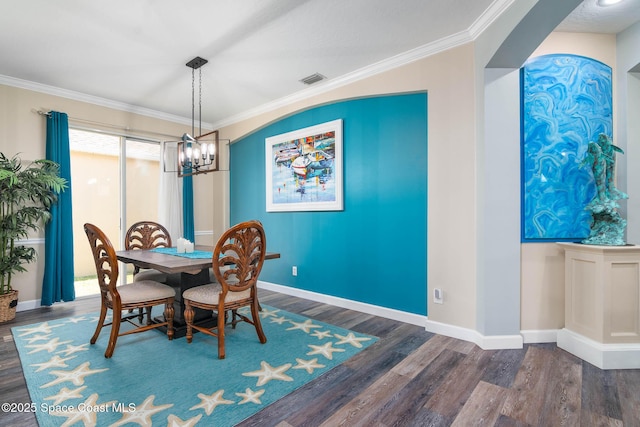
250 396
65 394
37 338
49 346
321 334
142 413
173 421
279 320
304 326
54 362
268 373
44 328
74 349
88 418
209 402
326 350
308 365
351 339
266 312
76 376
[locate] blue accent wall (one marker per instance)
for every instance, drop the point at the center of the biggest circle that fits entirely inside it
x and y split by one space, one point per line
375 250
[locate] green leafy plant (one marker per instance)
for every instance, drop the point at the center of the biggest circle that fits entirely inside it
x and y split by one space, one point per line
26 196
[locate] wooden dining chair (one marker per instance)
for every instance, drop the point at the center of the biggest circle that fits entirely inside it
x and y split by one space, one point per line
143 294
147 235
237 262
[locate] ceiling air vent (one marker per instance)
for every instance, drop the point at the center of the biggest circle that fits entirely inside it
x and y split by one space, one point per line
313 78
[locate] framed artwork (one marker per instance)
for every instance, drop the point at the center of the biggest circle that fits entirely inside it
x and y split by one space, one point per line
304 169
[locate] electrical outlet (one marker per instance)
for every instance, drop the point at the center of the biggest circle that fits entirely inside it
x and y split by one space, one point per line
294 270
438 296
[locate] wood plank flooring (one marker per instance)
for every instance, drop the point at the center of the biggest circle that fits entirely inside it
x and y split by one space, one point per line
410 377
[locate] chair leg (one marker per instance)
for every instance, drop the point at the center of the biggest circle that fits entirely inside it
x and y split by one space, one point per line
221 323
168 315
115 330
188 318
103 315
255 308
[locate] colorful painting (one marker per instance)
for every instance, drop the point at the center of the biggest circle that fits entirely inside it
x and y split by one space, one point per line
304 169
566 103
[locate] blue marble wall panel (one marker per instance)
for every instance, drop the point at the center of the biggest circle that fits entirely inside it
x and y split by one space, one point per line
566 103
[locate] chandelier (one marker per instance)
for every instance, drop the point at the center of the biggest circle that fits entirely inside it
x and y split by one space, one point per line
197 154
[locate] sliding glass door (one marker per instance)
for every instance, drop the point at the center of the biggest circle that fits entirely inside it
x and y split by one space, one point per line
141 181
114 183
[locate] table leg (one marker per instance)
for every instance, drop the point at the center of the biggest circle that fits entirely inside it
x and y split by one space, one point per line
181 282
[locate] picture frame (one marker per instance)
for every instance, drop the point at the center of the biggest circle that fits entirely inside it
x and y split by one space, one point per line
304 169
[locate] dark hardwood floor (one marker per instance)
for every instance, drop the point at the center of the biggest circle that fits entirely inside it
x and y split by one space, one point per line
410 377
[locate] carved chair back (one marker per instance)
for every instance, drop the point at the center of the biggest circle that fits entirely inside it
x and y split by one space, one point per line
104 256
238 257
147 235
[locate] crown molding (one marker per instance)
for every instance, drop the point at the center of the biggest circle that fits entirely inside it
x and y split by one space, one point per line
471 34
95 100
497 8
402 59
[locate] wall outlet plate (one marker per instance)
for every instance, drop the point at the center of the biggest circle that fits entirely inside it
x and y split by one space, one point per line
438 296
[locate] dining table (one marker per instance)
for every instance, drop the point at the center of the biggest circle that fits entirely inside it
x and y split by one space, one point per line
184 271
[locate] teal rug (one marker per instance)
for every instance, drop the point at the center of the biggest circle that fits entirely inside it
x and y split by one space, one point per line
153 381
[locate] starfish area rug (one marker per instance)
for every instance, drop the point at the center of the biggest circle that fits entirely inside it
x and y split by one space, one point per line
153 381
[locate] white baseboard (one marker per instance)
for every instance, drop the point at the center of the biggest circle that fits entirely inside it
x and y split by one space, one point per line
484 342
33 304
604 356
388 313
538 336
27 305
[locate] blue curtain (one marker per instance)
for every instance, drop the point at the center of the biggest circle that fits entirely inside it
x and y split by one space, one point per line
58 281
188 224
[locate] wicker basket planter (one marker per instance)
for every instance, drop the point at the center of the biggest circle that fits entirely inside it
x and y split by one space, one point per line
8 303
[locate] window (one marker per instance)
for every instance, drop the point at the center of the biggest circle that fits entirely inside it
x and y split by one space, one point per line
114 184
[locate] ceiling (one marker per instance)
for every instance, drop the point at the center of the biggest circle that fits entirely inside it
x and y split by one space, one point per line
132 54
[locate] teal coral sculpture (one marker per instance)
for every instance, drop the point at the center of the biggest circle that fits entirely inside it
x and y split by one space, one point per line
608 226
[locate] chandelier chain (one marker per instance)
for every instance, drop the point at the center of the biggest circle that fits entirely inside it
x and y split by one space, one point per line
200 101
193 101
196 154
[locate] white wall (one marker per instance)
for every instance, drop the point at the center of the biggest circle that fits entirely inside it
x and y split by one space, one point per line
628 125
499 293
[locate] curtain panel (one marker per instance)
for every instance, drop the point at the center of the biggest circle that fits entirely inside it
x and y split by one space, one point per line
187 209
58 280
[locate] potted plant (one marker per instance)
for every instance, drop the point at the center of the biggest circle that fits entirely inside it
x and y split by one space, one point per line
26 196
